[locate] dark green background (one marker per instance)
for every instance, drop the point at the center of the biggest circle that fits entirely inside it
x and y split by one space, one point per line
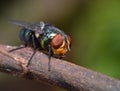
93 24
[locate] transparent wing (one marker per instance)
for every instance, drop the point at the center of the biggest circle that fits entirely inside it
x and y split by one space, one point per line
37 27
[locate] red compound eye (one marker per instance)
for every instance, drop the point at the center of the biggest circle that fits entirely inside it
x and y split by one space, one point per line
57 41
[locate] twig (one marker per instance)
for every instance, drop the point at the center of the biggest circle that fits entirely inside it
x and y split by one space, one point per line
62 73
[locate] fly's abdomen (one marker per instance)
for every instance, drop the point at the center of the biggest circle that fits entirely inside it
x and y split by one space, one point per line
26 36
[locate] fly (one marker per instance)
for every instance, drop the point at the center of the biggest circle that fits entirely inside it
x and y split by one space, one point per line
43 37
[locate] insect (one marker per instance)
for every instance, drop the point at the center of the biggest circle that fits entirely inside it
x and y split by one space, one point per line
43 37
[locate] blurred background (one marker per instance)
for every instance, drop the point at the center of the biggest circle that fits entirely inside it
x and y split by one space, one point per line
93 24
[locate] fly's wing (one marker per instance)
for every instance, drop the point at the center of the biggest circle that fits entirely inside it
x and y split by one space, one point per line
37 27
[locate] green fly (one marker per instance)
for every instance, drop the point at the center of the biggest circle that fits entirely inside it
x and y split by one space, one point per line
43 37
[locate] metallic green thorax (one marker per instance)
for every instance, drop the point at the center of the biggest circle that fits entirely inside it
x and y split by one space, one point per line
46 40
50 32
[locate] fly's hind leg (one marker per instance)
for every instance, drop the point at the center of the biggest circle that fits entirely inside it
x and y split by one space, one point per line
31 58
34 51
20 62
17 48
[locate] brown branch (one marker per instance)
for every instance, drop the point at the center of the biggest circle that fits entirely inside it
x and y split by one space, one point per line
62 74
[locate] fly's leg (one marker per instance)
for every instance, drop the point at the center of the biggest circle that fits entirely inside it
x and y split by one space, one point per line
49 56
34 51
17 48
31 58
23 65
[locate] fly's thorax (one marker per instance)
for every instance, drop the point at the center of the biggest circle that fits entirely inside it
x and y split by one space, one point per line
46 40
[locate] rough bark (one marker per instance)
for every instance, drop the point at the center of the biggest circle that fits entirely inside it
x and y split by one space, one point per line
62 73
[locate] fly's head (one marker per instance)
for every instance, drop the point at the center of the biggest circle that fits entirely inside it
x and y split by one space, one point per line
61 44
